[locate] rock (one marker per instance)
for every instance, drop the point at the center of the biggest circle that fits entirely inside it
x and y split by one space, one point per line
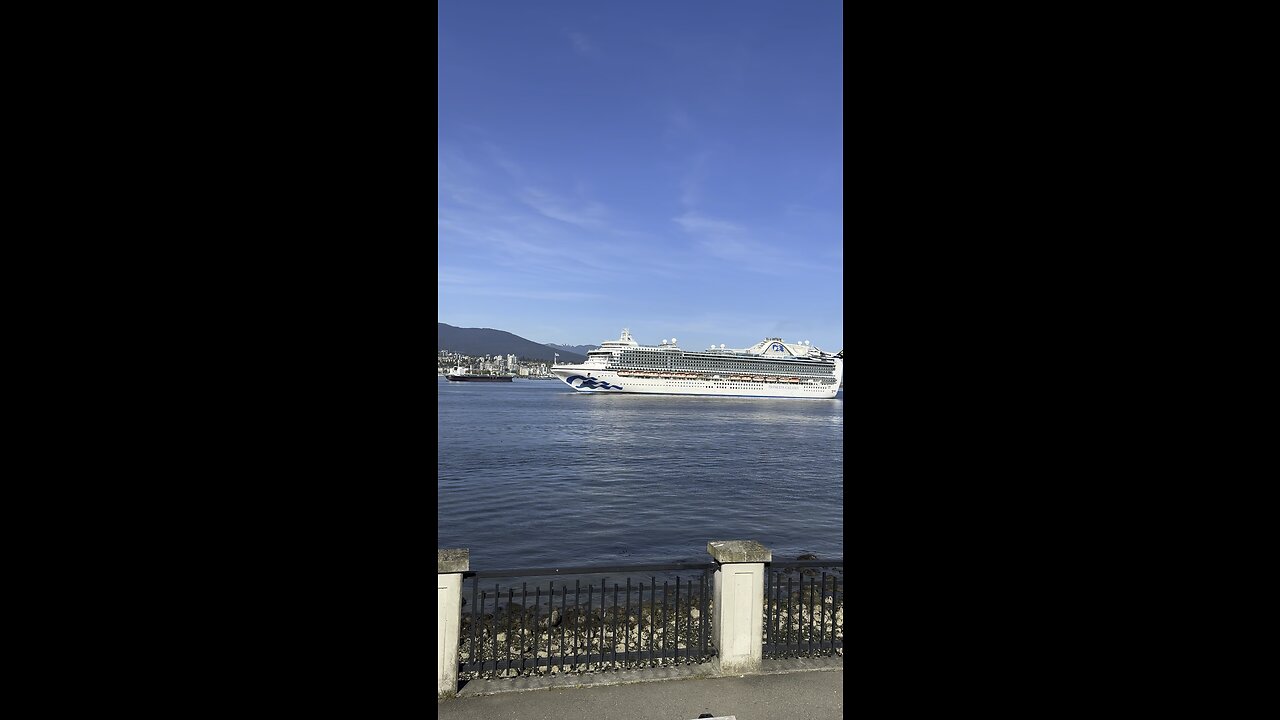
808 556
542 653
555 618
502 637
695 614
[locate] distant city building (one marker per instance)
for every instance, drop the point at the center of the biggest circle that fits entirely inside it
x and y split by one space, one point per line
447 360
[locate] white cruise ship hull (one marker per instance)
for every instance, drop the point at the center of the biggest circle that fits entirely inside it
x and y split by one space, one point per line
591 380
595 379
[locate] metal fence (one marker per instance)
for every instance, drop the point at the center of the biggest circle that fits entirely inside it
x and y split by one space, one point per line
602 619
803 608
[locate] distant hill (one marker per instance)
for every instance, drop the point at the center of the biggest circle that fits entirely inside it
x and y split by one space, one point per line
486 341
577 349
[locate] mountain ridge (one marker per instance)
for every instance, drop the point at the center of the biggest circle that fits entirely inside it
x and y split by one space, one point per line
489 341
577 349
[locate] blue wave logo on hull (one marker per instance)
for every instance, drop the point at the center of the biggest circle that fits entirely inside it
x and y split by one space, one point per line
591 383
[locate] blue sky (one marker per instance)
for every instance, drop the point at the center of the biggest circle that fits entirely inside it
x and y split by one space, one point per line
675 168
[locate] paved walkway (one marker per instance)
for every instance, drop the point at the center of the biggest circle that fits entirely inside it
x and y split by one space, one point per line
812 690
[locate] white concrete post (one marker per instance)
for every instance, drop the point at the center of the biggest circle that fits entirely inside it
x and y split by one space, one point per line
450 564
738 618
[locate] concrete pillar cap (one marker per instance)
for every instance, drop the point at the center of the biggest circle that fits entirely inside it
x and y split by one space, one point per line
452 560
739 551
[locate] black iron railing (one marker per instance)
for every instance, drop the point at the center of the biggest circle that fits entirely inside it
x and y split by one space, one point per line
602 618
803 608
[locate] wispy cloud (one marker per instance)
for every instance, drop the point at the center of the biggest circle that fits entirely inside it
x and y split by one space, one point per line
736 244
501 159
515 243
677 123
691 183
587 215
706 227
451 161
509 230
531 233
581 43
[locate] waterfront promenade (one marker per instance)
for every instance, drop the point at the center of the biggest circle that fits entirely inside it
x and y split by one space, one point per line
784 689
798 673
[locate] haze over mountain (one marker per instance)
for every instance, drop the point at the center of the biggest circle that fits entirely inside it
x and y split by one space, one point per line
579 349
487 341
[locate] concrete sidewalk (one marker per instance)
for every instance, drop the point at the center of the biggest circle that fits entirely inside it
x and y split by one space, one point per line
785 689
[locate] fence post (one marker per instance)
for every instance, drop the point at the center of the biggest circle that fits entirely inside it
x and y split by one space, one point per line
738 617
450 564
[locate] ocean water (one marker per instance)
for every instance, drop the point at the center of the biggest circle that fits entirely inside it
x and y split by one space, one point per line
534 474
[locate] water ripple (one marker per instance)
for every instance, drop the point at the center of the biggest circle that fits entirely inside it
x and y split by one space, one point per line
534 474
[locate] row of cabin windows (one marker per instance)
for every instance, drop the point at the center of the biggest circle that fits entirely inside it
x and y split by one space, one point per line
647 360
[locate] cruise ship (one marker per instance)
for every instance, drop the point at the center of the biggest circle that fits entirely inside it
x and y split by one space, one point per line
770 368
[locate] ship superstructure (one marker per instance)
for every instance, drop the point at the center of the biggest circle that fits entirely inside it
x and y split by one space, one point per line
770 368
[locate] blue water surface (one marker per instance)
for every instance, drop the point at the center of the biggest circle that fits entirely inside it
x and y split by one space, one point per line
534 474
